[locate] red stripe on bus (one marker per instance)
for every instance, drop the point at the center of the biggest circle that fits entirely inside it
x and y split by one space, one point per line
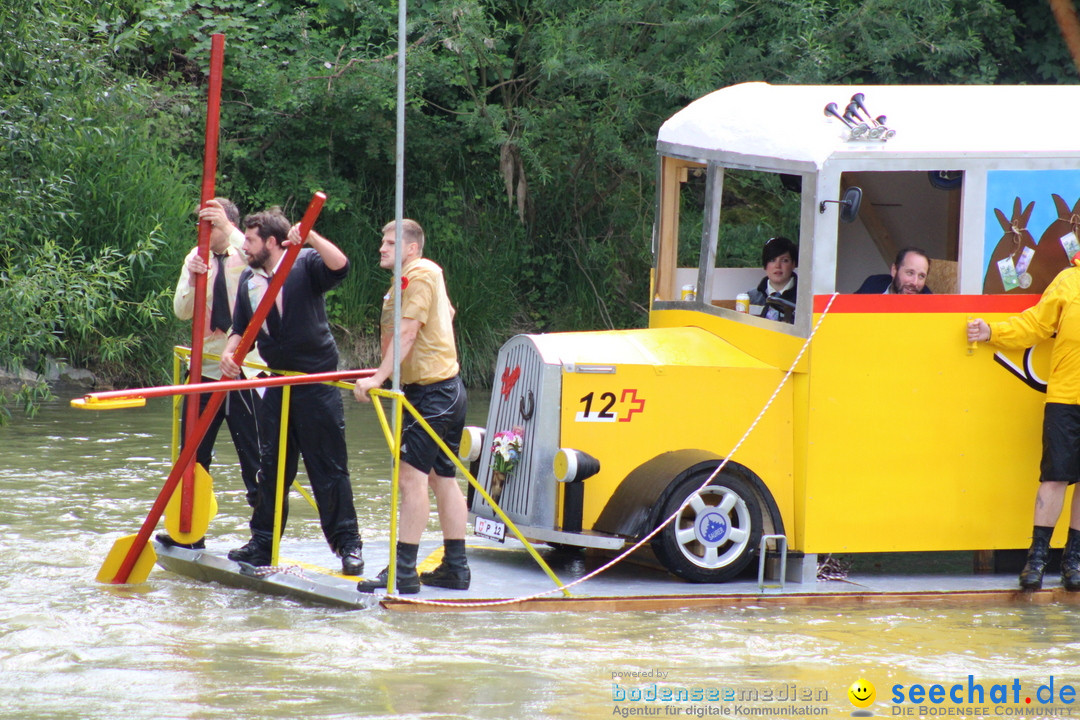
972 304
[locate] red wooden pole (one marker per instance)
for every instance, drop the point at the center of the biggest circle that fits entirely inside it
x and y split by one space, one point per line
203 424
198 320
225 385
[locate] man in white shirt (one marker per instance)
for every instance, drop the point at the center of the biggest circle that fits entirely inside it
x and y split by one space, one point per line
241 408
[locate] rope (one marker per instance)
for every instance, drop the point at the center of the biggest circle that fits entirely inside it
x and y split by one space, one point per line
661 526
267 570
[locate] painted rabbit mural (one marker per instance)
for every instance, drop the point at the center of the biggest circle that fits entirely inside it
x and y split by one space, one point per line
1007 271
1059 242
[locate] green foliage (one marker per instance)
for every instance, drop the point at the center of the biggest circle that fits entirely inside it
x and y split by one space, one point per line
28 398
92 188
1044 57
63 303
872 41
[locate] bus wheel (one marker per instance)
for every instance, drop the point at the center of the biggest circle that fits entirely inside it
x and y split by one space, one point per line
714 537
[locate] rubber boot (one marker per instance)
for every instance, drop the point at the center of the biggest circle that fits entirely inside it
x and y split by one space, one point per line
1031 576
453 571
408 582
1070 562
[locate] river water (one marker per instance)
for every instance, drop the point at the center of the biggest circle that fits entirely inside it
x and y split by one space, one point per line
72 481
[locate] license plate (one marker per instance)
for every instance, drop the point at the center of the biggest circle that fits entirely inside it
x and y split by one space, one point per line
490 529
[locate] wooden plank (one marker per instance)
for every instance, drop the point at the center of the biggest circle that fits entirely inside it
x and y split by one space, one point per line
719 601
313 584
667 251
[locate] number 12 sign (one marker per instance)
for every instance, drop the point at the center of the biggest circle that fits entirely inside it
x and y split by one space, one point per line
609 407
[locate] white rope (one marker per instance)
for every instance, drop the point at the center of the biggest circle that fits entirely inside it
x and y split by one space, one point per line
263 571
668 521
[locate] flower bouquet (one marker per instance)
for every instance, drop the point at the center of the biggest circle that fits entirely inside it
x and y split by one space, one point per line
505 452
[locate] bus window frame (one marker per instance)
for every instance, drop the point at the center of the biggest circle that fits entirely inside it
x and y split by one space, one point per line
673 172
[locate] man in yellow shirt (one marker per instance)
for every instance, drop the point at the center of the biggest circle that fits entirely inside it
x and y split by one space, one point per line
1057 312
430 381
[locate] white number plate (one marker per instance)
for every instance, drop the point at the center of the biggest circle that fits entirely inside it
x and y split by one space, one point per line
490 529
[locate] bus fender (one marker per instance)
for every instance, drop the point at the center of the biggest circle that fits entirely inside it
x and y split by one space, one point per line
632 510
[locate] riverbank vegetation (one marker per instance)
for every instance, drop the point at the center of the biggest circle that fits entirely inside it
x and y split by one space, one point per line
530 143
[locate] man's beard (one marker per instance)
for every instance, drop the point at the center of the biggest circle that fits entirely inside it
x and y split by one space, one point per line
898 287
259 260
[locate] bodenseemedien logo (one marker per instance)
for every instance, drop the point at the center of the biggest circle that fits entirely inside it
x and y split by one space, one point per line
862 694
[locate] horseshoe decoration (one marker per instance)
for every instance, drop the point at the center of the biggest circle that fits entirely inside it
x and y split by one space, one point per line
526 409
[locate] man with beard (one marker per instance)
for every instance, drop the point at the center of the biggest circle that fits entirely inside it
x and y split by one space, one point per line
907 276
296 336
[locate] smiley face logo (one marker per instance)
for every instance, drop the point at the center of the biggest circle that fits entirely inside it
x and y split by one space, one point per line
862 693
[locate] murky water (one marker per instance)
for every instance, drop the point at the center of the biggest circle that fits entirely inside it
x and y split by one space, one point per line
72 481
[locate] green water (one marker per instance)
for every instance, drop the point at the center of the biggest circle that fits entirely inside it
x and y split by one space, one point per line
72 481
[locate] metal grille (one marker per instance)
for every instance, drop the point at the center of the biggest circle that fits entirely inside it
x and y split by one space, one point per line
519 399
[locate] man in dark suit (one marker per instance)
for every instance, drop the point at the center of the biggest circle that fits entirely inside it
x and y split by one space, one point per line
907 276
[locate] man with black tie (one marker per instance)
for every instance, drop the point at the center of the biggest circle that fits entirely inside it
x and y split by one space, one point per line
241 408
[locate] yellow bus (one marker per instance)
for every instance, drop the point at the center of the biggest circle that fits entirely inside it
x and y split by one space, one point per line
891 434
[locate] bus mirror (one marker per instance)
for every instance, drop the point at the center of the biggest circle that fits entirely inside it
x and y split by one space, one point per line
849 204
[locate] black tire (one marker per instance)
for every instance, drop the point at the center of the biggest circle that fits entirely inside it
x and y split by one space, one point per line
714 537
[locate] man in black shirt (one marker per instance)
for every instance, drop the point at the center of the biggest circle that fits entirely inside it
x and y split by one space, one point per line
296 336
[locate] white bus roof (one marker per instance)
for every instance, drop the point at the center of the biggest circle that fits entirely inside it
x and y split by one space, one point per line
788 122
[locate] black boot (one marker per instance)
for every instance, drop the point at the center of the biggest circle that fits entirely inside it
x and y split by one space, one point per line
256 552
408 582
1031 576
453 571
1070 562
167 541
352 559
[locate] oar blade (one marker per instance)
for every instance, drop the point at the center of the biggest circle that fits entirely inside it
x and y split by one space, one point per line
139 572
89 403
203 509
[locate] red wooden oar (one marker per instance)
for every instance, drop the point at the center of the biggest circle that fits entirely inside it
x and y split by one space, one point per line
104 400
198 320
137 547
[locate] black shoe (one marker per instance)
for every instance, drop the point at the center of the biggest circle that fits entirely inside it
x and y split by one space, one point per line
167 541
445 576
1070 577
254 553
352 561
1070 562
1031 577
408 583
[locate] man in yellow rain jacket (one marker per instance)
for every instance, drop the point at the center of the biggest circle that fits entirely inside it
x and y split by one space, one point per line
1058 311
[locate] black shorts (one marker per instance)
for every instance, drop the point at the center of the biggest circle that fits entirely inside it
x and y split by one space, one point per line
442 405
1061 443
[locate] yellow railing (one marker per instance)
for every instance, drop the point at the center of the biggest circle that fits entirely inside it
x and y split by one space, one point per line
393 439
180 355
